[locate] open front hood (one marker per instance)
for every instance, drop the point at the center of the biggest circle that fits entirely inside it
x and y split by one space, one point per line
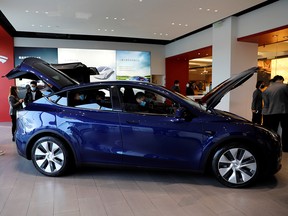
213 97
37 69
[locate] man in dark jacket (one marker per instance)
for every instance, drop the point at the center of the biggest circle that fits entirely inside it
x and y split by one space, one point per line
33 93
276 108
256 105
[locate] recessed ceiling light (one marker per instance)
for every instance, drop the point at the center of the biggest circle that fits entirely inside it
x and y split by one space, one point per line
200 8
27 11
115 18
173 23
215 11
36 11
208 9
107 17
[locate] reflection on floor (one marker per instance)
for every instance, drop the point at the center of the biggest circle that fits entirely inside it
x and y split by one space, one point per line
126 192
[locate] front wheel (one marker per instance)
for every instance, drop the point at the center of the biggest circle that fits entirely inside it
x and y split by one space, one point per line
235 166
50 156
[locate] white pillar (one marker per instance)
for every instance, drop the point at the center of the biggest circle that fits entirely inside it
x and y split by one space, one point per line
231 57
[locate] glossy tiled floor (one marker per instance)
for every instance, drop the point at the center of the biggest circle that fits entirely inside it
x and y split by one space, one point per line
124 192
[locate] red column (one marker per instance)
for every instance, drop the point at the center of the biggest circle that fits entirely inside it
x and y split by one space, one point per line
6 64
177 69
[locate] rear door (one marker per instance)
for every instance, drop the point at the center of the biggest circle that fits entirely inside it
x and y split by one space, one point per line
92 123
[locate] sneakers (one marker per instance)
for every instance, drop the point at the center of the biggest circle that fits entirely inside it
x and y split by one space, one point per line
2 152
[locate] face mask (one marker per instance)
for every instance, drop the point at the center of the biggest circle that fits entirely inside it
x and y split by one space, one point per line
33 88
142 103
82 97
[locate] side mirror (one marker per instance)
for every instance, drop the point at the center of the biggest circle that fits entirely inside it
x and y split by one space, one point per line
180 113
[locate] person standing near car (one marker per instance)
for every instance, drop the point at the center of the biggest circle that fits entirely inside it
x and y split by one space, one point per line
176 86
33 93
257 103
275 99
15 104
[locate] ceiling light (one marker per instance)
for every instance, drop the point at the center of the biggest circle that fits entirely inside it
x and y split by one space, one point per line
200 8
215 11
27 11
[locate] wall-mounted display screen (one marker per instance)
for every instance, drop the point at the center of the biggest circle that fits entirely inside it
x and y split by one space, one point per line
109 64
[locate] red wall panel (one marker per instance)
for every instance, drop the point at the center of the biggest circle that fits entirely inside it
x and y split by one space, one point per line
6 64
177 69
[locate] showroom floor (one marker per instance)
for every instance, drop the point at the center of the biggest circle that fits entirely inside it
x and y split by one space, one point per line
125 192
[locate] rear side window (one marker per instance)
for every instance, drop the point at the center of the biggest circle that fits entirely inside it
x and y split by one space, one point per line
59 99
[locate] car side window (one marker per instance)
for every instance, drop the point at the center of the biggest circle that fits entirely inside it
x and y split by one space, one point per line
95 99
60 99
146 101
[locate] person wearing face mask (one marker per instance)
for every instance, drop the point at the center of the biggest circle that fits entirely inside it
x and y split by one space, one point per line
144 105
176 86
78 99
256 105
33 93
15 104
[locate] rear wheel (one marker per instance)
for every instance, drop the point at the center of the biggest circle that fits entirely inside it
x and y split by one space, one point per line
50 156
236 165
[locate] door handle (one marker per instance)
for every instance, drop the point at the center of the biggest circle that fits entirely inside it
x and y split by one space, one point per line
133 121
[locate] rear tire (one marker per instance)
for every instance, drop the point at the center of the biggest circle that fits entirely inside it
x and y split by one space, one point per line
236 165
50 156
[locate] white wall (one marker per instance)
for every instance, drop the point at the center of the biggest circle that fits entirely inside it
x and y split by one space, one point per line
193 42
270 17
266 18
157 51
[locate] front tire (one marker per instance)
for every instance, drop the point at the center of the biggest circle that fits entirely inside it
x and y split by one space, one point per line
50 157
236 166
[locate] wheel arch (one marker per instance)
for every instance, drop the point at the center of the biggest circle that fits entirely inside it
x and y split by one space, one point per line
50 133
208 156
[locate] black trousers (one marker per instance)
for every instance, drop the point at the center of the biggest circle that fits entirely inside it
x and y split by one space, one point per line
13 118
257 118
272 122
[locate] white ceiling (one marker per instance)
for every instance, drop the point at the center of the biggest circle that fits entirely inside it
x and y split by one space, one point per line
146 19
